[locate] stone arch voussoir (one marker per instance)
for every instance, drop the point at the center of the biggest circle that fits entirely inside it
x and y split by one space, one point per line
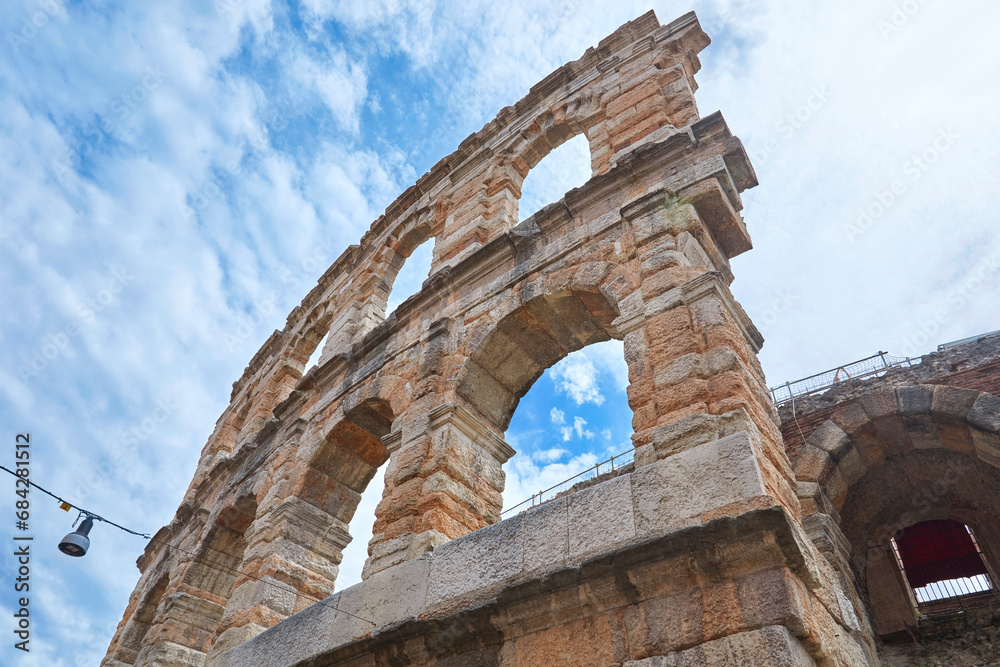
859 437
528 335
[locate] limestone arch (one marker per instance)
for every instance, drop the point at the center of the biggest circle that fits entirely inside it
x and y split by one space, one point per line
526 149
889 460
347 458
530 335
128 641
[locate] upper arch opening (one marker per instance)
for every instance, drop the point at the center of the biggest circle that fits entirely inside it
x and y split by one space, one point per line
526 342
409 277
566 167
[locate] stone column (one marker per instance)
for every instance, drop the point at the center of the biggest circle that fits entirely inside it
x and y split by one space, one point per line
294 548
892 605
444 480
694 374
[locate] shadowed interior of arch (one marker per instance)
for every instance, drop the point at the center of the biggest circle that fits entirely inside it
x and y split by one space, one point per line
343 482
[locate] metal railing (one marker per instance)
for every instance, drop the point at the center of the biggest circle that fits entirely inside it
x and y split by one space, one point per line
616 462
952 588
949 594
875 365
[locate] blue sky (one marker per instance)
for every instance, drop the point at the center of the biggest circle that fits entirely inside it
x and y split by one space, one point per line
175 176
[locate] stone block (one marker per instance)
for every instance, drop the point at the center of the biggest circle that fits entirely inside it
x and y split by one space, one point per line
297 638
699 429
952 402
880 404
915 400
773 646
674 492
831 439
546 535
853 419
399 549
483 558
681 369
600 517
985 413
269 592
852 466
386 597
813 464
232 638
168 654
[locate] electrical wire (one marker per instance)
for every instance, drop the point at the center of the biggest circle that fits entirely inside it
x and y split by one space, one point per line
147 536
90 514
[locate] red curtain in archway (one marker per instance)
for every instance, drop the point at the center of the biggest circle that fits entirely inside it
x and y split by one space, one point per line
934 551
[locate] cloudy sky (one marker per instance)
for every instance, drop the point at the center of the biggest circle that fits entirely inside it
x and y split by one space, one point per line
175 177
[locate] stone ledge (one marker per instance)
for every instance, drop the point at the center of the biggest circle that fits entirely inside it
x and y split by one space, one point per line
774 646
312 637
631 509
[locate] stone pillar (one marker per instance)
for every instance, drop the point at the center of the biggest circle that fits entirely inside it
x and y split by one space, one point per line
888 594
294 548
640 108
694 374
444 480
182 633
482 206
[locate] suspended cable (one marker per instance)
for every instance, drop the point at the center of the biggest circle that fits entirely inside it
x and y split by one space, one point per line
65 504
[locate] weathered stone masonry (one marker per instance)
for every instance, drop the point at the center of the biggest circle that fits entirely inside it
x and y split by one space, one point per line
695 556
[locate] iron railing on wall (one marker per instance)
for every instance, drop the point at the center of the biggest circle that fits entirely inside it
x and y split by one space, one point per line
873 366
616 462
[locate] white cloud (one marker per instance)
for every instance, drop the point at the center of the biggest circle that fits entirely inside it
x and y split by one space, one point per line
557 416
578 429
206 279
526 477
340 83
549 455
577 377
586 374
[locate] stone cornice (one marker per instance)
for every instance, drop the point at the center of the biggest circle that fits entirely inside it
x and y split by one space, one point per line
472 427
